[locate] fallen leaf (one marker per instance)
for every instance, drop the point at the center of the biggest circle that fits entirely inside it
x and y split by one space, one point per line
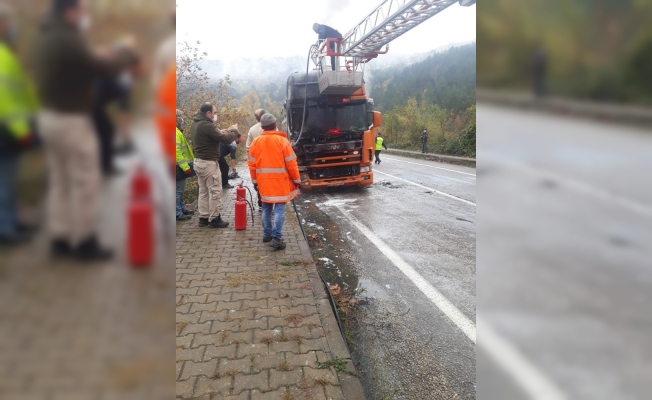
335 289
344 300
353 302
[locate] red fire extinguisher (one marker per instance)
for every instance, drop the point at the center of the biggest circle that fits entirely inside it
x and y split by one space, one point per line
140 238
241 208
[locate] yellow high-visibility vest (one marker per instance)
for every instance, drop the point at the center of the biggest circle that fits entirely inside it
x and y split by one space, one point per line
379 143
18 101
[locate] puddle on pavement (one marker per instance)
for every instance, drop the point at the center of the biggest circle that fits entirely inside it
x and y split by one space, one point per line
330 251
388 355
388 184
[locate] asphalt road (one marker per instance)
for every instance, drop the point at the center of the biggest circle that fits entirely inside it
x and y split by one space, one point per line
564 272
409 242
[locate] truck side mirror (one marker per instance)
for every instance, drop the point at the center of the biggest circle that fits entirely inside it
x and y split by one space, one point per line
377 119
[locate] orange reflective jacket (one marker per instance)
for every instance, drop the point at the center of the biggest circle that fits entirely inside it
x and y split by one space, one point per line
166 115
273 166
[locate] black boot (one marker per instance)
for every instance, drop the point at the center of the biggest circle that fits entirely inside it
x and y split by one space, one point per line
60 248
90 250
218 223
203 221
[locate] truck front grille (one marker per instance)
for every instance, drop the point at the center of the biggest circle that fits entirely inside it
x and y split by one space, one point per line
334 172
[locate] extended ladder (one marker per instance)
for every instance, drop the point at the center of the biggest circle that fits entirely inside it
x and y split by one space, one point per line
366 40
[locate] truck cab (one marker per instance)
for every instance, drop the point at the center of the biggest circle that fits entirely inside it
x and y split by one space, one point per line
336 146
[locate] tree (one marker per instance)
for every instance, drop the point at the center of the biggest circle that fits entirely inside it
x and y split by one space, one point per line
194 87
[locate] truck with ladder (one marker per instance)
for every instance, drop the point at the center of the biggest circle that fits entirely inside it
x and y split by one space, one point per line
327 115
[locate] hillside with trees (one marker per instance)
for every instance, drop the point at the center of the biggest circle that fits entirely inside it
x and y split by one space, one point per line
434 90
596 49
437 94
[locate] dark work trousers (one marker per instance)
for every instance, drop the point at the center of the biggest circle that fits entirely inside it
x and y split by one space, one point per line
105 133
224 169
108 90
377 156
424 146
333 48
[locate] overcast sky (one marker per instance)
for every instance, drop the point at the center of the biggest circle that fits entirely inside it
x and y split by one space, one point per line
262 28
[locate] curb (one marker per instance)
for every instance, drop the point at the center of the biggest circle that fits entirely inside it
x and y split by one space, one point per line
465 161
351 386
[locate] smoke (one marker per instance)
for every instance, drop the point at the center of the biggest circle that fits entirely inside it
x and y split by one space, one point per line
254 69
368 80
333 7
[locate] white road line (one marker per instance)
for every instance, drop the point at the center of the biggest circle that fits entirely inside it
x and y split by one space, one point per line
578 186
502 352
427 188
526 375
429 166
455 315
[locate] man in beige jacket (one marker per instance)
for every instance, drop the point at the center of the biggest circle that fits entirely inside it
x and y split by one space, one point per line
254 132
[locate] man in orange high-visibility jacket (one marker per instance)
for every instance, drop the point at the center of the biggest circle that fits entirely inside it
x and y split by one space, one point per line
166 115
275 174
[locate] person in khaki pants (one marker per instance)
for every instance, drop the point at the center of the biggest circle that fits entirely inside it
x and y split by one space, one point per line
206 138
65 68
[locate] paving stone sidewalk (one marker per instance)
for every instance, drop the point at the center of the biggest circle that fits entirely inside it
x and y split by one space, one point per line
70 331
252 322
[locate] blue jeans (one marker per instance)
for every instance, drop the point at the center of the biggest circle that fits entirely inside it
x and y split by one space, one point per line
8 208
181 205
279 219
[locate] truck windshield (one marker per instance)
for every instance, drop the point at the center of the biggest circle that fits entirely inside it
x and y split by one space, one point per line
331 119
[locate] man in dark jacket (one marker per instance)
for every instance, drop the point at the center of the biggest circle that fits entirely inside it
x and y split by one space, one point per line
108 90
64 69
424 141
226 149
324 32
539 68
206 138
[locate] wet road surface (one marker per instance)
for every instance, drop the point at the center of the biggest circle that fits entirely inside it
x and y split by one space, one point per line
406 247
564 277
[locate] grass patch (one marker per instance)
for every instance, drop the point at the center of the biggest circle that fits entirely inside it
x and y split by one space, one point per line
298 339
294 319
291 263
267 340
257 278
287 396
283 338
338 363
321 382
181 326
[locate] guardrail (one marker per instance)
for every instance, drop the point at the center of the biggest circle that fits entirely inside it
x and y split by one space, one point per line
466 161
601 111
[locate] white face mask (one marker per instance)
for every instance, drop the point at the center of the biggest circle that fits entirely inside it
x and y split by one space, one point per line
215 118
85 23
125 79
